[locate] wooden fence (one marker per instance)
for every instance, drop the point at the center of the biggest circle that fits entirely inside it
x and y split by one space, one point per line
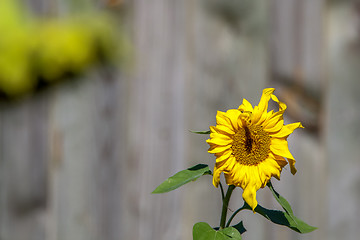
80 160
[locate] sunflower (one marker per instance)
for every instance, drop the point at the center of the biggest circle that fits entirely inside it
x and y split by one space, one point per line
250 145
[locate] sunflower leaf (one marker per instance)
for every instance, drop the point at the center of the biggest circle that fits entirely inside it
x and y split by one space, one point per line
281 200
285 219
183 177
201 132
203 231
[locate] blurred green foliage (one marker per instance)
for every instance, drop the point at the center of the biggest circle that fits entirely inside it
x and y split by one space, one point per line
37 51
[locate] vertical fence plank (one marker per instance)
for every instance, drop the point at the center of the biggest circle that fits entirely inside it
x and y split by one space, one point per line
23 169
226 62
156 126
72 159
88 133
297 66
109 126
342 119
81 163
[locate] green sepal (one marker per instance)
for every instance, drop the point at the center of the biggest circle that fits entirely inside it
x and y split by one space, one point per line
183 177
201 132
203 231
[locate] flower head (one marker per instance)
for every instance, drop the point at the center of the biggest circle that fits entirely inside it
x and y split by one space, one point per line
250 145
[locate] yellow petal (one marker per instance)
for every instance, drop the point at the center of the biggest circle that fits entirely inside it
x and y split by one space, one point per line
277 127
233 116
249 196
277 116
231 164
272 121
245 119
235 176
256 115
216 176
229 178
280 147
222 130
268 116
246 106
224 156
276 157
282 163
272 168
264 173
222 119
219 141
219 135
280 160
263 117
263 104
217 149
292 165
282 106
286 130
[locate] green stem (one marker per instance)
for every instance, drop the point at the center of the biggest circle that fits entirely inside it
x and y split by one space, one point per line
245 206
225 206
222 191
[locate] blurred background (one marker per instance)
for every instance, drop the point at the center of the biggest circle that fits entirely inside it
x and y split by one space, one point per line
97 99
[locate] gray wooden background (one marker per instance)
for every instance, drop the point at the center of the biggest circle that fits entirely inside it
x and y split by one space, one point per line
80 160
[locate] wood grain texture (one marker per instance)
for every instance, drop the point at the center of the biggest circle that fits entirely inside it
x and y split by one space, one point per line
79 161
23 185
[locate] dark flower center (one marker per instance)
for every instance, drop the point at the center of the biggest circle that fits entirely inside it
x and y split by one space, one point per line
251 145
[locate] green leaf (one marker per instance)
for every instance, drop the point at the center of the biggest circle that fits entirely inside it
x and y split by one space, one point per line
201 132
203 231
183 177
230 233
284 218
282 201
